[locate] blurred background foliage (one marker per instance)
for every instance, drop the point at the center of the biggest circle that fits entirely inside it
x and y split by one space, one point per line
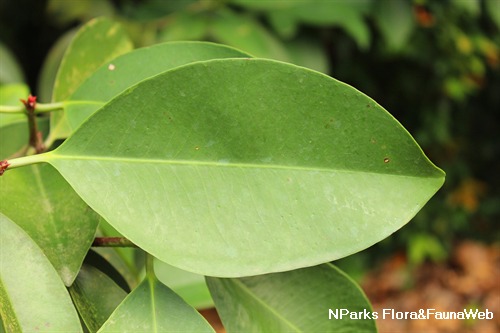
434 65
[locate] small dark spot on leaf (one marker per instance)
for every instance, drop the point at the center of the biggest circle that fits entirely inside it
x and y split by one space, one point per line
368 106
373 140
330 121
386 160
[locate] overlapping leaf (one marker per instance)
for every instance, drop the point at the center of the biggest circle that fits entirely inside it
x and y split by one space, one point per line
294 301
125 71
241 167
81 59
152 307
51 65
96 296
40 201
32 296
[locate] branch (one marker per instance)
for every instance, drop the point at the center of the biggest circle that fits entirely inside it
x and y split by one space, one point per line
40 108
36 140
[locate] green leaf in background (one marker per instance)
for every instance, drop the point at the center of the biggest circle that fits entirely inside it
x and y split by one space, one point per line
422 246
493 10
309 53
284 15
51 65
184 26
241 167
130 68
32 296
283 23
349 15
247 34
396 22
96 296
10 70
152 307
472 7
64 12
265 5
191 287
294 301
81 59
41 202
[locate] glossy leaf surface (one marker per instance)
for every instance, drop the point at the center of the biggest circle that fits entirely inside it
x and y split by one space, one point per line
129 69
32 296
96 296
294 301
40 201
241 167
82 58
152 307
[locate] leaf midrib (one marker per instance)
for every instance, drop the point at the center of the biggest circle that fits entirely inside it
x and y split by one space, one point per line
249 292
61 156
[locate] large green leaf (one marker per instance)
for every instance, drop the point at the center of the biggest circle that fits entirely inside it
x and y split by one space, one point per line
241 167
294 301
32 296
129 69
96 296
96 43
152 307
40 201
